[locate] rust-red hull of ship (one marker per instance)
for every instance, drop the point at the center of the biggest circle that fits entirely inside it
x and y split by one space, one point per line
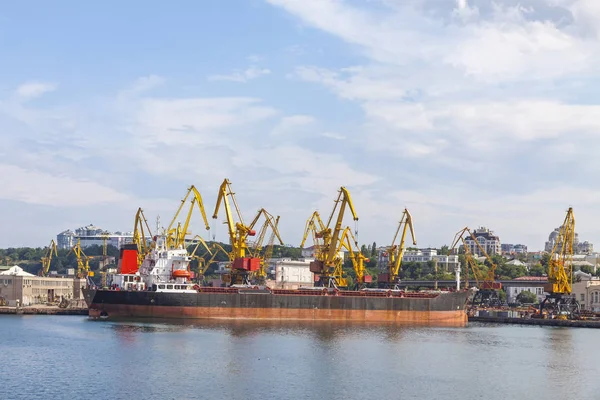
446 309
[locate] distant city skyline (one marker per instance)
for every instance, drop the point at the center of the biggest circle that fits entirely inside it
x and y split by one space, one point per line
468 113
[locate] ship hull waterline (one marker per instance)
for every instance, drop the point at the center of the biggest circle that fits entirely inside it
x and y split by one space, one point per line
444 310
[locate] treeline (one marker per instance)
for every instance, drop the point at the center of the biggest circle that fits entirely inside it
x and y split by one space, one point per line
29 259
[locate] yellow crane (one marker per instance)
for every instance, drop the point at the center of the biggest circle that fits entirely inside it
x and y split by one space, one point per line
47 259
176 233
314 225
261 274
83 266
203 264
243 262
487 293
256 249
559 301
328 263
396 251
141 235
358 259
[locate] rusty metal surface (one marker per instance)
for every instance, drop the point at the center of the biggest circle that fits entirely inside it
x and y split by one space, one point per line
444 308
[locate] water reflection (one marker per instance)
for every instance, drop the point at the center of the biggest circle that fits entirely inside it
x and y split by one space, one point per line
561 365
323 331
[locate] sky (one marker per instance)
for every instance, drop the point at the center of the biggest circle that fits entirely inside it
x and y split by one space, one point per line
467 112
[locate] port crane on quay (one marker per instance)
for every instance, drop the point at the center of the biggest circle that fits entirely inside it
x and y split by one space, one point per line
328 240
47 259
243 261
396 251
487 293
559 301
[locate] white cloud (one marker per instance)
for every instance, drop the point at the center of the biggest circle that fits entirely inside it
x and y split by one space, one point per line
293 125
246 75
470 97
35 187
31 90
333 135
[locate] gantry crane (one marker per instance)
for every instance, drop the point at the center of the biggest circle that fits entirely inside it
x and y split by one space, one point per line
256 249
559 301
314 225
396 251
203 264
358 259
487 293
83 266
47 259
261 274
176 233
243 262
328 262
141 235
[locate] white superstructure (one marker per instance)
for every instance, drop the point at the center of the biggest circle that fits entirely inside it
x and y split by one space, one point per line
162 270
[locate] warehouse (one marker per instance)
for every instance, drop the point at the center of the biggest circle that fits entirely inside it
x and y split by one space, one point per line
18 287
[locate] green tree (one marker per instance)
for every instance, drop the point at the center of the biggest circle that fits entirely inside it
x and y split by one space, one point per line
588 269
374 249
537 270
545 260
502 295
527 297
444 250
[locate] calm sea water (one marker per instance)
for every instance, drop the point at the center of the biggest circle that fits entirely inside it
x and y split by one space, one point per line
68 357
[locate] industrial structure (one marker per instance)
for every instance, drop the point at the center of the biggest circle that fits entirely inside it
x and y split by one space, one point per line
328 241
560 302
246 262
395 252
486 285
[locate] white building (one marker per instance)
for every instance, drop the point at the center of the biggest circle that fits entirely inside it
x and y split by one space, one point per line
586 289
511 249
92 235
309 252
291 274
578 247
18 287
533 284
444 263
487 240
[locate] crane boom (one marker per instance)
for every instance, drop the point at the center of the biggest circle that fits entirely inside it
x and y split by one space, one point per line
560 265
141 233
243 260
328 263
176 235
396 251
83 266
349 242
238 232
47 259
342 201
487 294
559 301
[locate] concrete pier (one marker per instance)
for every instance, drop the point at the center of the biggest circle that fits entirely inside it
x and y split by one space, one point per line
537 321
43 310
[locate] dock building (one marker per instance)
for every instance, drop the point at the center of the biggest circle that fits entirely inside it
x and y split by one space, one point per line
20 288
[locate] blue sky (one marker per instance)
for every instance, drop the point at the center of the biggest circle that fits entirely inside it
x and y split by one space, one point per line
466 112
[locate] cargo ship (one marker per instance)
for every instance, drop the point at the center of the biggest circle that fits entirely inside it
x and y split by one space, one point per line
162 288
